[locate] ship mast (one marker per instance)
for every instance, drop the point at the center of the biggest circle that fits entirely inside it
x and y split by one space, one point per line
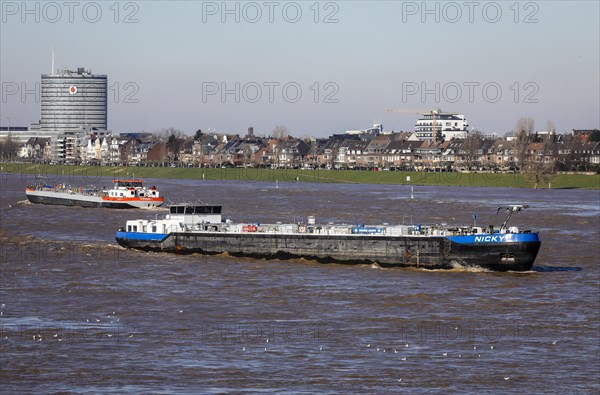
515 208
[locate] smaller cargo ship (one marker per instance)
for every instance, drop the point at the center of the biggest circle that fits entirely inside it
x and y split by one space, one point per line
199 228
130 193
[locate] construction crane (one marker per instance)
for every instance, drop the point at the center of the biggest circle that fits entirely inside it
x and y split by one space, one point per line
433 113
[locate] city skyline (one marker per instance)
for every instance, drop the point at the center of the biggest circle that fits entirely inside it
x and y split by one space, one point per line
318 67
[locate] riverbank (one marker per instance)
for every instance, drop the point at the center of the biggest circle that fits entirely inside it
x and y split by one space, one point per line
61 173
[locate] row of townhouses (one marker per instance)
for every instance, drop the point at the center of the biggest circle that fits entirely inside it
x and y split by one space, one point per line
344 151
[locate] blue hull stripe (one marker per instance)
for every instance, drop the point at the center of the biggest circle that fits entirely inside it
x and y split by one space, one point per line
496 238
471 239
141 236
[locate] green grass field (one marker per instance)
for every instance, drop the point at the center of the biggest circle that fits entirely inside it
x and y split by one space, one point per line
55 172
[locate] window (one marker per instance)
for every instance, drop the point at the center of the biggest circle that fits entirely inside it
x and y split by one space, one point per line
196 209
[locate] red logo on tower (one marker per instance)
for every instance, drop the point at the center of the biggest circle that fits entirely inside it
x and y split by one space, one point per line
72 89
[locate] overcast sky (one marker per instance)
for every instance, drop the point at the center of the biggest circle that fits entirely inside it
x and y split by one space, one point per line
316 67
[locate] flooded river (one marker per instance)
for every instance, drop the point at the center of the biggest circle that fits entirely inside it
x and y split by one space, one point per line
80 314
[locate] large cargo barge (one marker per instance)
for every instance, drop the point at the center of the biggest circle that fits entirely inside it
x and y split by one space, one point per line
199 228
123 194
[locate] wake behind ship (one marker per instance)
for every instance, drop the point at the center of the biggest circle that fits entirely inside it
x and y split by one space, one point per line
129 193
199 228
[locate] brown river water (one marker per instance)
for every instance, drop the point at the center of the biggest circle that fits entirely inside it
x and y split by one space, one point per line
81 315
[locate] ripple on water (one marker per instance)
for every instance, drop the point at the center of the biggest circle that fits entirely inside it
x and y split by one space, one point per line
200 324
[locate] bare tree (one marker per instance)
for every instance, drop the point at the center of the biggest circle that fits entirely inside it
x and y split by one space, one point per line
164 134
8 148
471 146
522 133
570 157
279 132
541 166
524 124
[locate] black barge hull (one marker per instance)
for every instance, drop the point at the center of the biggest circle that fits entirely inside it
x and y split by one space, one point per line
40 199
433 252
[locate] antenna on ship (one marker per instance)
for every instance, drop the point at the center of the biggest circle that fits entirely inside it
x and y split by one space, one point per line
515 208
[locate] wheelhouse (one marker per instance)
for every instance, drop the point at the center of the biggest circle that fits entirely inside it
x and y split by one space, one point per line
195 209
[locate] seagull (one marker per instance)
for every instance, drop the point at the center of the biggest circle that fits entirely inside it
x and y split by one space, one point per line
554 342
491 347
377 348
181 311
109 335
506 378
406 345
267 339
369 345
474 347
395 352
445 354
404 358
399 380
321 348
243 348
